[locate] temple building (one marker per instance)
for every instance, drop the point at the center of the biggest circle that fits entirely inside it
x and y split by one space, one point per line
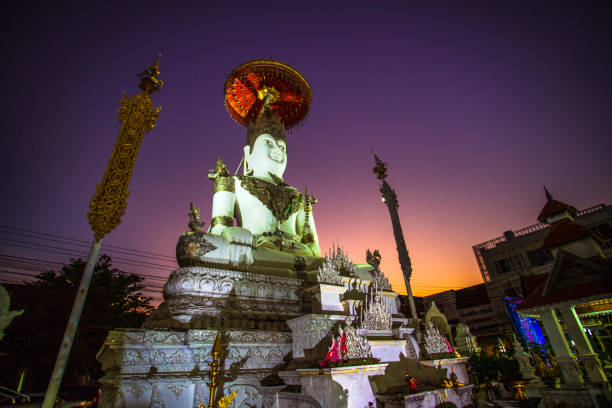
573 301
287 325
551 283
507 261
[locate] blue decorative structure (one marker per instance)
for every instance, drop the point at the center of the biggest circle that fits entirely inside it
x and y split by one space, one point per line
528 327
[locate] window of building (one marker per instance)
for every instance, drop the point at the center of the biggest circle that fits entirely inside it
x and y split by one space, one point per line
605 232
509 264
539 257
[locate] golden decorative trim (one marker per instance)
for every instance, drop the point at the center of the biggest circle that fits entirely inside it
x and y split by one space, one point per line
221 176
220 170
137 116
308 238
267 122
225 184
195 224
222 220
271 91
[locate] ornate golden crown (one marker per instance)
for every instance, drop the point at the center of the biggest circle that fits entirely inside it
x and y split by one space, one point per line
266 122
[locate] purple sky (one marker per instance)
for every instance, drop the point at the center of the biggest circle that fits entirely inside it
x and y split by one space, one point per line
473 106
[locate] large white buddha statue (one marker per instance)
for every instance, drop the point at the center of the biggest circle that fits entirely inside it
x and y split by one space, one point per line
274 222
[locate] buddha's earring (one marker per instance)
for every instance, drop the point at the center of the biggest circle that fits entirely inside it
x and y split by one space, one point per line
239 164
245 169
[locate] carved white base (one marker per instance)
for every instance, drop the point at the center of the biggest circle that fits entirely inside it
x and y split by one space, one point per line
460 397
326 298
390 299
206 291
388 350
451 364
169 368
342 386
308 330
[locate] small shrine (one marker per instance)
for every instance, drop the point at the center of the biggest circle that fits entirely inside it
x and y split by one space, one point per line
288 325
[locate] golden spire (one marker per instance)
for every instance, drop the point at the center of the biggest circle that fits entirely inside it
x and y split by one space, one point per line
137 116
150 81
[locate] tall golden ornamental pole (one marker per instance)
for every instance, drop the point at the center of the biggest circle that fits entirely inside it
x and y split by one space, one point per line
214 371
390 199
137 116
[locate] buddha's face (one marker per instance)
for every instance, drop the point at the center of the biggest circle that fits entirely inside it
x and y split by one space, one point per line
269 155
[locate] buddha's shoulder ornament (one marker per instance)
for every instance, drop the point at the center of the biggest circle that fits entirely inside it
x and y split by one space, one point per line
222 177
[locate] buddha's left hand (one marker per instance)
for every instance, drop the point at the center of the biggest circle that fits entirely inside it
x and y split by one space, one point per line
240 246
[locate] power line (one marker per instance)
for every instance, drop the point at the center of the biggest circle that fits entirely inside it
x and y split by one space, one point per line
23 272
7 272
54 237
40 263
11 241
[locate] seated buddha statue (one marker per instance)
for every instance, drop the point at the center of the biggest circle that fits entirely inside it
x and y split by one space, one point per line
274 222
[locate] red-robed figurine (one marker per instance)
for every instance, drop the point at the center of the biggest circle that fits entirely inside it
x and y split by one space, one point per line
333 355
343 347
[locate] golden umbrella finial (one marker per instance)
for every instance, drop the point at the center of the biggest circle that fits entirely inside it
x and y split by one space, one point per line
217 346
150 81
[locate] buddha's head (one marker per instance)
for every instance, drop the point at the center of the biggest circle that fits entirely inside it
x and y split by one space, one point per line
266 149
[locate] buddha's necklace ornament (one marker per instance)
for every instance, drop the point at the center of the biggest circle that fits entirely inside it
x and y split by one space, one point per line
281 200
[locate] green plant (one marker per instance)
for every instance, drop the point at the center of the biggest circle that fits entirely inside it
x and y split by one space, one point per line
500 367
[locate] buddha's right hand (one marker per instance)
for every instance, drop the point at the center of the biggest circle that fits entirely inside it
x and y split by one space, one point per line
240 246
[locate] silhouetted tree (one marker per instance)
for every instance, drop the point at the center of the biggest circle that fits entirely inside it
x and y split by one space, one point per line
32 342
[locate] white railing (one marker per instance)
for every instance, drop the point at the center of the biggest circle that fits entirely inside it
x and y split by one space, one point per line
492 243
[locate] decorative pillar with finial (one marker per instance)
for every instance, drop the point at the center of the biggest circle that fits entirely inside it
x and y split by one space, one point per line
137 116
214 370
390 199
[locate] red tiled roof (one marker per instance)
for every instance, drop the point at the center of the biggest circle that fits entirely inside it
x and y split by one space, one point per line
563 232
575 292
553 207
534 285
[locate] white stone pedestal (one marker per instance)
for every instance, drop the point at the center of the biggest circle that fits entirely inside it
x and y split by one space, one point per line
390 299
387 350
308 330
341 386
451 364
326 298
169 368
459 397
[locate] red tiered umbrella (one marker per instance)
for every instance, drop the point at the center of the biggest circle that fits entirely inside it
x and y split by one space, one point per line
249 86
